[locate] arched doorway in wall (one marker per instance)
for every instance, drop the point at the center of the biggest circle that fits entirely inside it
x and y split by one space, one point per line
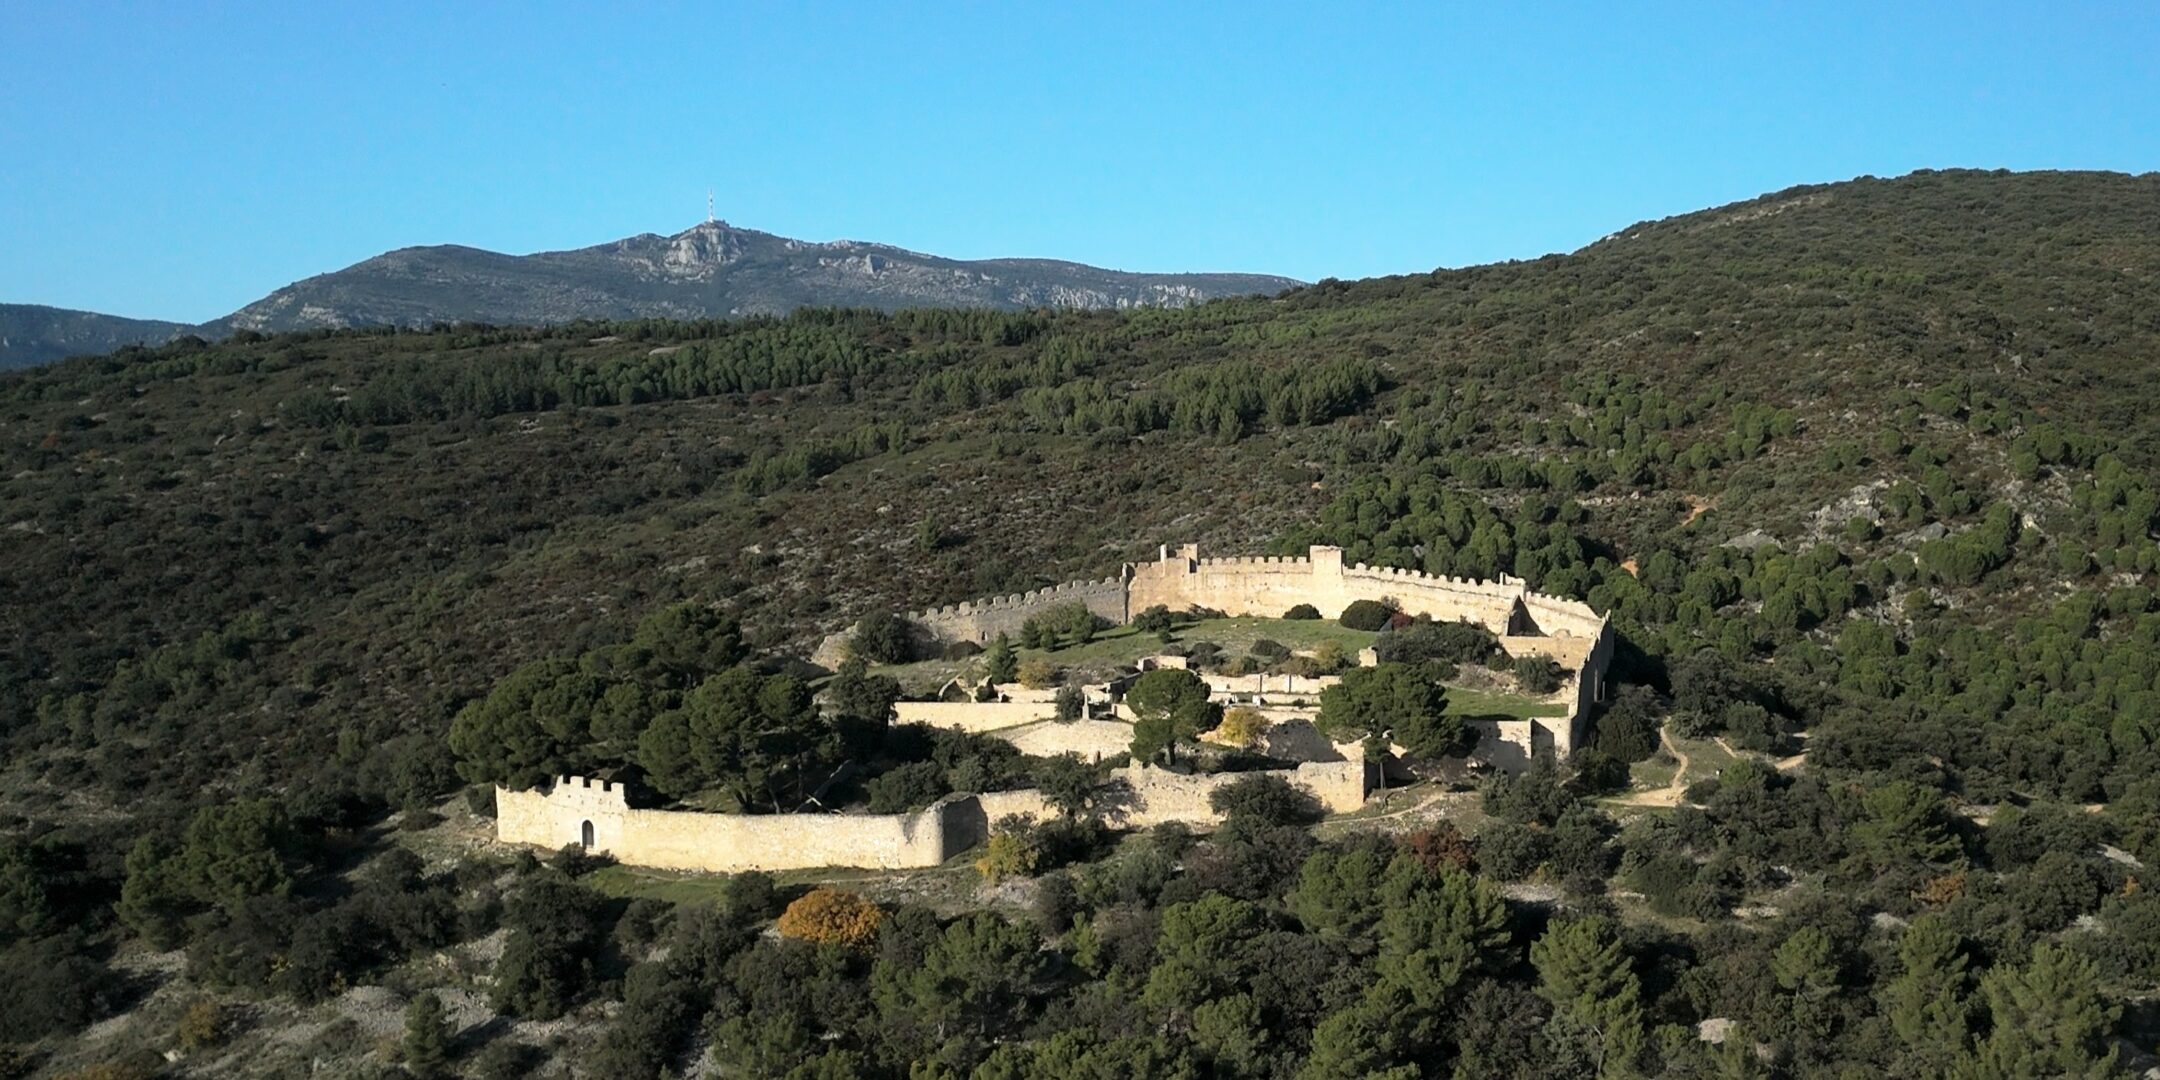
585 838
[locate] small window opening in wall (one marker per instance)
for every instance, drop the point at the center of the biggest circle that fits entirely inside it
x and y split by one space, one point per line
585 835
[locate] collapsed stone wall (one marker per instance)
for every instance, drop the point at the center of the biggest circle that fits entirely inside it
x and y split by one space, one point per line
1026 803
973 717
1157 796
1510 745
1088 740
1263 686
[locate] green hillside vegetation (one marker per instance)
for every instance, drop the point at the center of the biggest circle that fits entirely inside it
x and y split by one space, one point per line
1860 470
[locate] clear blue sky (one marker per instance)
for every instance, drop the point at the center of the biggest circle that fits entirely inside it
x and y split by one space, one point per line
177 160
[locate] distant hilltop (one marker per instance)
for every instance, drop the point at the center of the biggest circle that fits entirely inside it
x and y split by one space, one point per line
32 334
710 270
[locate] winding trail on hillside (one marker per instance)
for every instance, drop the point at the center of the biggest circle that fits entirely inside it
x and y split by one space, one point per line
1427 801
1669 795
1430 798
1784 764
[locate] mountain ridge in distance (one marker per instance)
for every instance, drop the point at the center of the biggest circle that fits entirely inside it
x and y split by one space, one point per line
710 270
33 334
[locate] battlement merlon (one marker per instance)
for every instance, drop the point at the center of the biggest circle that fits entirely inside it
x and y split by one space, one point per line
1326 561
588 791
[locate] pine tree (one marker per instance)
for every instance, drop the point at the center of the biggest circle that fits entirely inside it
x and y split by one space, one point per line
1000 665
1358 1043
2047 1018
1927 1004
1435 928
427 1035
1805 965
1583 972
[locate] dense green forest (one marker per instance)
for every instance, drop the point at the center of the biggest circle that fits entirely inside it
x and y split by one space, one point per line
1864 473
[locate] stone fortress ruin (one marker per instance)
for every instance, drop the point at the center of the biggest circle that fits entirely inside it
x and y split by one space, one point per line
597 815
1527 623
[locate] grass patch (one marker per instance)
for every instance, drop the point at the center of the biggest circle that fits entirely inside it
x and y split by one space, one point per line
1653 772
1462 702
641 883
697 887
1706 758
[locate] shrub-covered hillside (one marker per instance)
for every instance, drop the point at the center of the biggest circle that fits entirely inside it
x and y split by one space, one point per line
219 553
1863 470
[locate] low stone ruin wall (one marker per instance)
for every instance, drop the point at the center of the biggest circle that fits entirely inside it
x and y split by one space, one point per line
972 716
1158 795
1089 740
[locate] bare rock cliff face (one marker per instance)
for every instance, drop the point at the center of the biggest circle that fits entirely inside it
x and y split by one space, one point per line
709 270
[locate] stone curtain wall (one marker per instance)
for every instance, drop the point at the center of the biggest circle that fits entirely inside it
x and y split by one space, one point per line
1266 586
1556 616
1490 604
980 621
730 843
1142 797
1529 622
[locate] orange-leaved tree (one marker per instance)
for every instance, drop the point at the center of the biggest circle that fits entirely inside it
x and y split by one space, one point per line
832 916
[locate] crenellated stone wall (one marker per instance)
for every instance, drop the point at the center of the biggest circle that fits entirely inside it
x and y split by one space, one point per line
1528 623
1141 797
980 621
1268 586
690 840
595 814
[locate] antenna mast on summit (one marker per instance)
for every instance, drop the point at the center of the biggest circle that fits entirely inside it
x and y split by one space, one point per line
708 208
